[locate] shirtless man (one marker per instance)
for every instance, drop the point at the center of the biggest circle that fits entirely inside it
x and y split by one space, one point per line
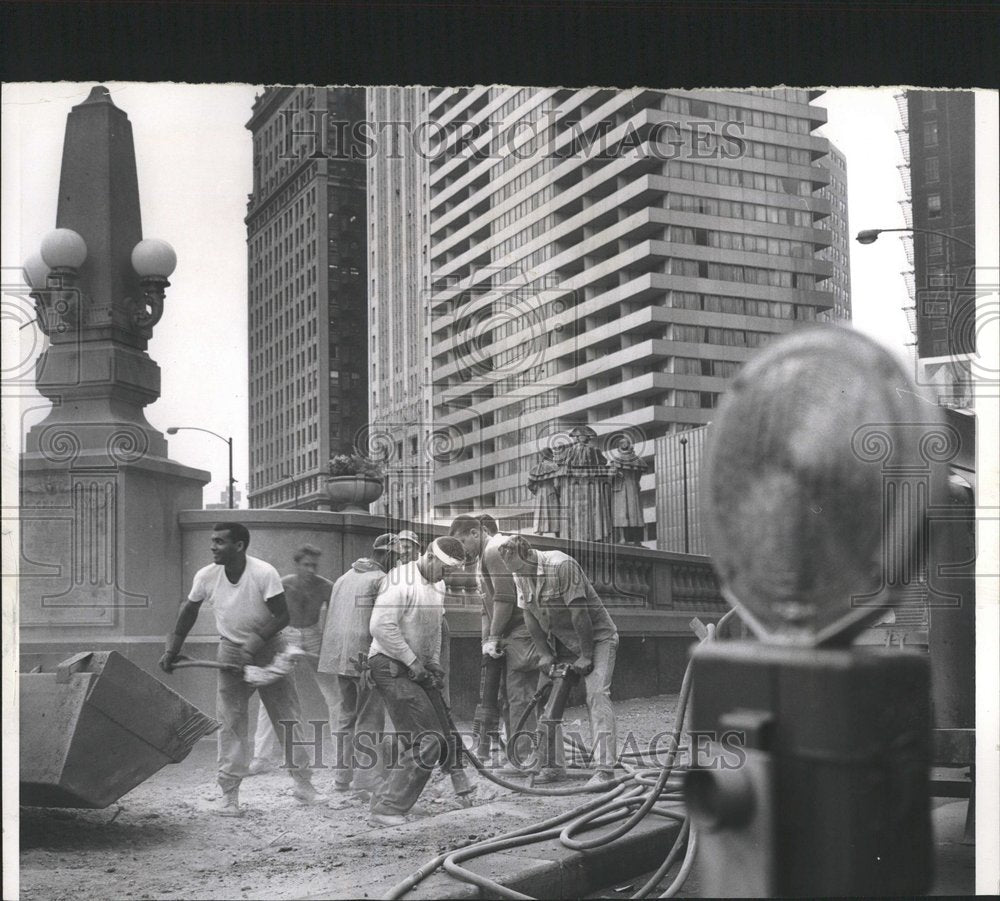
306 595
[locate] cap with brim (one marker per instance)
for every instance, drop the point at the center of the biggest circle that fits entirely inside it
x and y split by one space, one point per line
384 542
583 430
407 535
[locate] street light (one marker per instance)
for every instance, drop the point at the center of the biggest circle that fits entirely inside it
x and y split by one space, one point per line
174 429
285 474
870 235
684 476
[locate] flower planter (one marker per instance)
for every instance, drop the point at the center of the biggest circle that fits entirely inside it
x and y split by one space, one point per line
353 494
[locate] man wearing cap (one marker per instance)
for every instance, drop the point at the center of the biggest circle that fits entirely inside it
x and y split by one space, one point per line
306 594
504 634
407 547
405 654
355 710
567 619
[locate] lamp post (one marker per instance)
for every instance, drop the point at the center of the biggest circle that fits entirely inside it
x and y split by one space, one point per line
684 477
174 429
870 235
285 474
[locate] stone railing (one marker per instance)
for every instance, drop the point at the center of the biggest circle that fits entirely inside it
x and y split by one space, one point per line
647 591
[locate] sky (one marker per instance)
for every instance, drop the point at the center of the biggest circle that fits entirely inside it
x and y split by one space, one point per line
193 156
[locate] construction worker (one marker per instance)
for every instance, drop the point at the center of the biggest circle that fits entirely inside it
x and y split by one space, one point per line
504 635
307 594
250 612
567 620
407 547
355 709
405 655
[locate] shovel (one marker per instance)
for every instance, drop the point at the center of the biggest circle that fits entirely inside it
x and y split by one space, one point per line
279 668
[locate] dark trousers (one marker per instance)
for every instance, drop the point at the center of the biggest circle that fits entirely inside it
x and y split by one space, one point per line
421 740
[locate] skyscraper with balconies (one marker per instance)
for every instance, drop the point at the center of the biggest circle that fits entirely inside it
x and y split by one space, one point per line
398 316
609 257
307 270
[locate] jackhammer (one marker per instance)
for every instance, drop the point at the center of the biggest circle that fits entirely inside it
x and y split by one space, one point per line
452 763
563 678
486 720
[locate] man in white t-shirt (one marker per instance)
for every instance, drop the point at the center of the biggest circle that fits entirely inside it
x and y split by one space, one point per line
250 612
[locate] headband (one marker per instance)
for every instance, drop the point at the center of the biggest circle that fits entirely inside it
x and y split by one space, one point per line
446 559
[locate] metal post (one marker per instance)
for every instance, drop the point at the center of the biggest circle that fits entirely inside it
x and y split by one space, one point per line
229 441
684 476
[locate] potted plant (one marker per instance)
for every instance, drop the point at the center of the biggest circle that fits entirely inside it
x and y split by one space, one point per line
354 483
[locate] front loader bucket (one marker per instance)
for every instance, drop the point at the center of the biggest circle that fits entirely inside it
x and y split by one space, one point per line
98 726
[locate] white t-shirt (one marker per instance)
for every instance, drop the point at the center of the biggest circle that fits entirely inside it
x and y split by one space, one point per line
240 609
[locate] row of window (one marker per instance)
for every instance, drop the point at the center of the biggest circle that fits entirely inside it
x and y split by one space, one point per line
736 209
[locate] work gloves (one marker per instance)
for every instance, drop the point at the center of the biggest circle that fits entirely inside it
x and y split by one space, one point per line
491 648
437 675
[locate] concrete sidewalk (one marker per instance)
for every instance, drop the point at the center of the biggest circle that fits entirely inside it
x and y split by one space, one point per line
550 870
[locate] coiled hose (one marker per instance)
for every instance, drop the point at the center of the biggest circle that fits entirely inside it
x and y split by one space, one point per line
648 787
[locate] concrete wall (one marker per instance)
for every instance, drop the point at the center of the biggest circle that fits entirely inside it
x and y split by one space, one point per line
652 596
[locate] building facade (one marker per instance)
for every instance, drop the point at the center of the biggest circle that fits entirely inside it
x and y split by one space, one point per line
839 251
940 129
306 276
609 257
398 309
679 460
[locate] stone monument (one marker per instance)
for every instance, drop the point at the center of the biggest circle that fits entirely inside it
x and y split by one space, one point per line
625 469
100 561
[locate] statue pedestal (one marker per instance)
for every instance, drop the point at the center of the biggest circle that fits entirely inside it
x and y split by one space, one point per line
101 547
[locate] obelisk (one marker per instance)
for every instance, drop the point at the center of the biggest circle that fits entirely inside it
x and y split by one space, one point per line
100 541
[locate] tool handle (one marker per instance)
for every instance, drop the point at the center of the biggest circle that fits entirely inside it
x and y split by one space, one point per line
207 664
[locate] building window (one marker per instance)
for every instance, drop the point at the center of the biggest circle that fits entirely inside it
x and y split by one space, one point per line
935 245
932 169
929 101
930 134
933 205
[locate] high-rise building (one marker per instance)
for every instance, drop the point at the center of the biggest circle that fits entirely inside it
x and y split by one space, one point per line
398 317
609 257
941 140
307 271
839 251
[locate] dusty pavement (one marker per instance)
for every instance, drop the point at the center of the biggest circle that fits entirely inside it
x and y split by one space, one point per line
162 841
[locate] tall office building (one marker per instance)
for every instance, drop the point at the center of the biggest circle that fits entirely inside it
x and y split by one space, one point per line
609 257
306 278
838 253
942 163
398 317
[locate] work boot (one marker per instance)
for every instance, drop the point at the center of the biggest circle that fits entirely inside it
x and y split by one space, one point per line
229 804
386 819
304 793
547 775
603 778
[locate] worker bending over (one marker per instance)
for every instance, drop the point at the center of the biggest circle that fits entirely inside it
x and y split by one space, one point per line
568 621
505 635
405 654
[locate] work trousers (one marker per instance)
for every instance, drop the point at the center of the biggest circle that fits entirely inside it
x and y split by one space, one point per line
603 728
268 744
421 739
357 718
517 687
280 700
